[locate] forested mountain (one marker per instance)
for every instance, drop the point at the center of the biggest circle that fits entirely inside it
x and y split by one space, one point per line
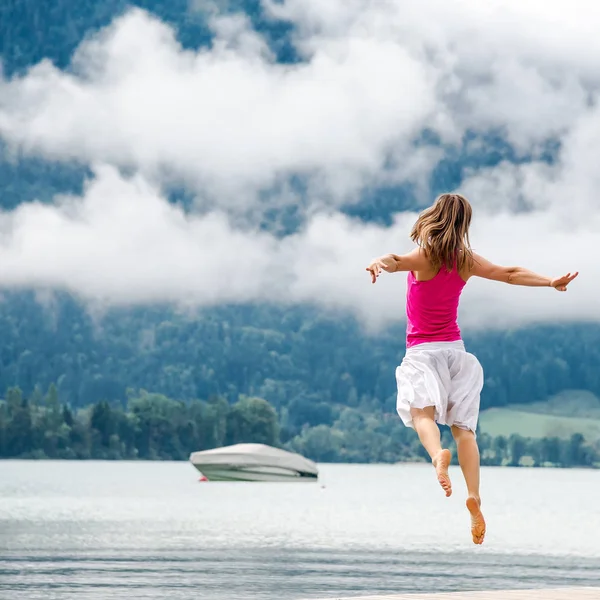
320 385
277 353
320 373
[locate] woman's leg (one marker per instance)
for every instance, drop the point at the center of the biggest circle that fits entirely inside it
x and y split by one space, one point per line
429 434
468 458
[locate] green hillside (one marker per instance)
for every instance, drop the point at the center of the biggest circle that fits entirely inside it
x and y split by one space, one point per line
563 415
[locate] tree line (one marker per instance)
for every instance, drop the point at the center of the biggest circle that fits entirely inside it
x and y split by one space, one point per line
152 426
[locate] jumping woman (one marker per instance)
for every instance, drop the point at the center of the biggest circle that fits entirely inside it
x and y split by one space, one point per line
438 381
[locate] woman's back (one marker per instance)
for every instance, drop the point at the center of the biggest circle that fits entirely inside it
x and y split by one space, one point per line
432 307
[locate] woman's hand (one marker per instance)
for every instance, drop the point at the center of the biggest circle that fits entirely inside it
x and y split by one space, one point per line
384 263
560 283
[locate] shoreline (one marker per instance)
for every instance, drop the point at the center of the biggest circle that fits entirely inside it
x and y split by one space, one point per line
358 464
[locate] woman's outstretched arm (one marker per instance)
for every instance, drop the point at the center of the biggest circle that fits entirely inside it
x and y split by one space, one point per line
416 260
518 275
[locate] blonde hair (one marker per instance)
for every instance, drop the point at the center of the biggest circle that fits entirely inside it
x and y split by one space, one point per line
443 232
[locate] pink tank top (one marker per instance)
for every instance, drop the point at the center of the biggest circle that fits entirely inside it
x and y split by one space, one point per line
432 308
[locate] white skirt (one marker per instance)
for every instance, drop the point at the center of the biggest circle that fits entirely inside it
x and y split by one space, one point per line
443 375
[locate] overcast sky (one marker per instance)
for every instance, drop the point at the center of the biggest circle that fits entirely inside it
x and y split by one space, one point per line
234 127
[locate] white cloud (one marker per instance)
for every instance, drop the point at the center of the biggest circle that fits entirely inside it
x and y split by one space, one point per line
227 119
122 243
230 123
525 67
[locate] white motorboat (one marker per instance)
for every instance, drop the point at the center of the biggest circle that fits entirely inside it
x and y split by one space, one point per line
253 462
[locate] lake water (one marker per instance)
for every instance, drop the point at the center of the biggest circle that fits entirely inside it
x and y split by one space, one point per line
102 530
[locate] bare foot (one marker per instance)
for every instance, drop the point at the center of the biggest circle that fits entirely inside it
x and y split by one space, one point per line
477 520
441 463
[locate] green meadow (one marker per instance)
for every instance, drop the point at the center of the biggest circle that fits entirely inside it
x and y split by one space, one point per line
560 416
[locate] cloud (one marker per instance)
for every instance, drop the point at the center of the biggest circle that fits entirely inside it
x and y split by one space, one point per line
121 243
236 127
374 75
227 120
524 68
230 122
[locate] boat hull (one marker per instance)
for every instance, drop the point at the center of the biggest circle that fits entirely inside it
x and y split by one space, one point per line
254 473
